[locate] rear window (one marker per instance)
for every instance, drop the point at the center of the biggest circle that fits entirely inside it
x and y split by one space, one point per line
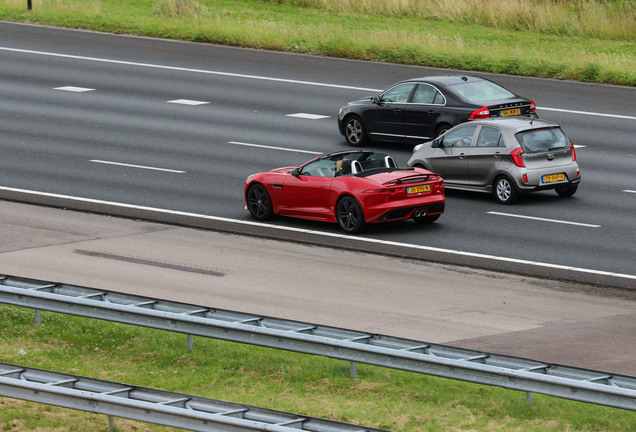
481 91
542 140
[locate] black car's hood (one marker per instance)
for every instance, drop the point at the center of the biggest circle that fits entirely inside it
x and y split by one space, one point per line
364 101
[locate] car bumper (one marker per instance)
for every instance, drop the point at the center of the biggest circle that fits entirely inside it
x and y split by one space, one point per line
404 209
535 180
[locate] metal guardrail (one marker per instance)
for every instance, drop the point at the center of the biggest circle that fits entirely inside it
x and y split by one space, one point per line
409 355
154 406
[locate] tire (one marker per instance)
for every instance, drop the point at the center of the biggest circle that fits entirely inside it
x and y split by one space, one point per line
426 219
349 215
419 165
355 132
442 129
566 191
259 202
504 190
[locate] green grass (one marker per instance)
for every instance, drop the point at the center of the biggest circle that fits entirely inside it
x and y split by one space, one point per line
586 40
298 383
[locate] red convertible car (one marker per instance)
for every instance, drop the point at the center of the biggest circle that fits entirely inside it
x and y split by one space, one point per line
352 188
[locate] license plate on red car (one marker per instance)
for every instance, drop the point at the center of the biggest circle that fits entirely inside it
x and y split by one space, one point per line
509 112
418 189
553 178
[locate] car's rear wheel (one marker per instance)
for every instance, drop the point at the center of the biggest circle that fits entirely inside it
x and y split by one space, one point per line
259 202
505 191
442 129
349 215
566 191
355 132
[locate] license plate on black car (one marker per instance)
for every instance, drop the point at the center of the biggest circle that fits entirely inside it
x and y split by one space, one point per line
509 112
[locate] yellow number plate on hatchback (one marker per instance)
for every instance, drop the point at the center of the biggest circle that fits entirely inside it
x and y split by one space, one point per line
553 178
418 189
510 112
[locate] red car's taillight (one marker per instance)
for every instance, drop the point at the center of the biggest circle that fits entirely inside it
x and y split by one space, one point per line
516 157
533 107
573 151
481 113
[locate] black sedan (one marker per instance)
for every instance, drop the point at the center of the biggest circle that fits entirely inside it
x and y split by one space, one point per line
421 109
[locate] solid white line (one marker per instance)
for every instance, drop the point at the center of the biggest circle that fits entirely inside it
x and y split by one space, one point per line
629 191
587 113
544 219
257 77
273 148
136 166
183 69
326 234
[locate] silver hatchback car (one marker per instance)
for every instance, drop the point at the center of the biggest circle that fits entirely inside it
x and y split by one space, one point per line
506 156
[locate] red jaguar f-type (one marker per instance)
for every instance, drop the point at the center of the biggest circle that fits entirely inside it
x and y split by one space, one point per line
352 188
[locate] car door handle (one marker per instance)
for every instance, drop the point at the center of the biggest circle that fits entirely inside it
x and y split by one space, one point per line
461 155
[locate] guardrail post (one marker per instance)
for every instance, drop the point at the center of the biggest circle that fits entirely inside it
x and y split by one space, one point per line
352 370
111 424
189 342
37 317
529 398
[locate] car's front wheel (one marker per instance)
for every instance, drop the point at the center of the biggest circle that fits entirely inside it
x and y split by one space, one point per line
355 132
566 191
505 191
349 215
259 202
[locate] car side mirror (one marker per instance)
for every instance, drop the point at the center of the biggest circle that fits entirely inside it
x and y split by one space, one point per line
438 143
295 172
376 99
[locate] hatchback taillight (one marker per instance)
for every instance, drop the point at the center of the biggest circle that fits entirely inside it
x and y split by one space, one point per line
481 113
516 157
533 107
573 151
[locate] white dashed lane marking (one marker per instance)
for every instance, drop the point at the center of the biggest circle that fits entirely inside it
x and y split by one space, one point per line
136 166
545 219
308 116
74 89
188 102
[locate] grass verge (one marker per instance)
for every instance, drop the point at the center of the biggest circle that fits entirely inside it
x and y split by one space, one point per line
587 40
298 383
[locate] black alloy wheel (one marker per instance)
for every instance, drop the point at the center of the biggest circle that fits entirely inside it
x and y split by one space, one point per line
349 215
355 133
259 202
442 129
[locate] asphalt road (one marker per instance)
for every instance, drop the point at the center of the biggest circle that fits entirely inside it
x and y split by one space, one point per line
549 321
169 130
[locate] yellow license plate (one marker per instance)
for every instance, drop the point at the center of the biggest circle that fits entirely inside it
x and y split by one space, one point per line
419 189
553 178
510 112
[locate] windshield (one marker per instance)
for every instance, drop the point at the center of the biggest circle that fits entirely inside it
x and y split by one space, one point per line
341 164
481 91
542 140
